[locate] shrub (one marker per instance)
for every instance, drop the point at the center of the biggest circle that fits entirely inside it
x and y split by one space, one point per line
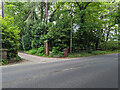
50 55
10 36
71 56
26 42
4 61
34 43
82 54
32 51
98 52
55 50
111 45
61 54
40 54
18 58
90 50
41 51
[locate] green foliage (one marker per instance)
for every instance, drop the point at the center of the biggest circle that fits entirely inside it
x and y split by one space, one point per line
58 54
61 54
50 55
81 54
38 31
99 52
18 58
26 42
85 54
90 50
32 51
3 61
58 35
111 45
71 56
10 36
41 50
91 26
55 50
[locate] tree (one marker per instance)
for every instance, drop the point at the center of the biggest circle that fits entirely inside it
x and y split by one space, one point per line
93 24
10 36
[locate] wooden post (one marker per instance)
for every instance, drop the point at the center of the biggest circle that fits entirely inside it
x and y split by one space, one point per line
46 48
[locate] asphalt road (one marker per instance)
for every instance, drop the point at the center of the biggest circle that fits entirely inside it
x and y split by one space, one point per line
88 72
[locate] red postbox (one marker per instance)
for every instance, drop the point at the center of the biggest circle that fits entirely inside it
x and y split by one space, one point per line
65 52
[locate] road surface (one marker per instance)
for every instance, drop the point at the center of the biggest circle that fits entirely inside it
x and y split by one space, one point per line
87 72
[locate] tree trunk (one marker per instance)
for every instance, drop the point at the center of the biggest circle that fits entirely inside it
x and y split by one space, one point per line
2 9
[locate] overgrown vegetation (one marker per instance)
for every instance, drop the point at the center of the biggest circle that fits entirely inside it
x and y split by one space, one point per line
4 61
95 25
8 61
18 58
10 36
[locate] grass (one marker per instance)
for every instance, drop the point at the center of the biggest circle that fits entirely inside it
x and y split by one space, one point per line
73 55
85 54
34 52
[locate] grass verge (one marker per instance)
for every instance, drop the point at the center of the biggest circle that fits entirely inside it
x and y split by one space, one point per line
73 55
85 54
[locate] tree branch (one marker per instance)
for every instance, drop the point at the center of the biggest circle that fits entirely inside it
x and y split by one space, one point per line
87 5
53 13
79 5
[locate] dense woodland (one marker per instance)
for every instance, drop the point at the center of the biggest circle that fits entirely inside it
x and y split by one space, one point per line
95 25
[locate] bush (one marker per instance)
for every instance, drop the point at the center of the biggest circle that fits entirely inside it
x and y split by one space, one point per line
41 51
4 61
26 42
10 36
34 43
111 45
71 56
84 54
18 58
32 51
50 55
55 50
98 52
61 54
90 50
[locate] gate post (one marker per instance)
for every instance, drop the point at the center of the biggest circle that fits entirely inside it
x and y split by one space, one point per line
3 53
46 48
